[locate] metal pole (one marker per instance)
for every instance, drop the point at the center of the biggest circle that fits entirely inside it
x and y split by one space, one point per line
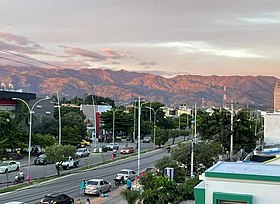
155 114
192 153
134 120
195 113
114 112
139 116
231 132
29 141
59 120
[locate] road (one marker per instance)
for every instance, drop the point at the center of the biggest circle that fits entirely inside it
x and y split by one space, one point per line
40 171
70 184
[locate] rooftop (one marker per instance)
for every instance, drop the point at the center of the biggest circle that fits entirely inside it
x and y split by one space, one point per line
247 171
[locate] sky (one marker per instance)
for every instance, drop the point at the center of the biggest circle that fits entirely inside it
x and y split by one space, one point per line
163 37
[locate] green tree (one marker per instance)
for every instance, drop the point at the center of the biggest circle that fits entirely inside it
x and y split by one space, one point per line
57 153
131 196
161 136
43 140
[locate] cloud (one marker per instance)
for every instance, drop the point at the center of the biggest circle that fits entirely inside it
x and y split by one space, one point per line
109 53
206 48
17 39
71 64
83 53
263 19
113 63
149 63
104 54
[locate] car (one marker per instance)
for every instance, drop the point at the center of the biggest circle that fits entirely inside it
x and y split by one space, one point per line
85 143
146 140
82 152
58 198
112 146
7 166
97 186
42 159
127 150
127 173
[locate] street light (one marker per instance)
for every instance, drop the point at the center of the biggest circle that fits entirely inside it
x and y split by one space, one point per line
114 113
30 127
155 115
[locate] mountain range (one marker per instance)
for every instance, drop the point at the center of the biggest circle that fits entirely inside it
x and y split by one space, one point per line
124 86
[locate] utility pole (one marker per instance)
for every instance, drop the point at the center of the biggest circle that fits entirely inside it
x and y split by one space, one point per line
134 120
231 131
139 117
59 119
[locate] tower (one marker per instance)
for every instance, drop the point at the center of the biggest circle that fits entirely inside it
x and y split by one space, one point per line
277 97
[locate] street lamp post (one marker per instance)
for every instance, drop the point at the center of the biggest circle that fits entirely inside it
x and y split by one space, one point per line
30 128
155 116
231 131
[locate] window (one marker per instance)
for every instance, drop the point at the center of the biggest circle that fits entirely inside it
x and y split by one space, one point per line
101 183
231 198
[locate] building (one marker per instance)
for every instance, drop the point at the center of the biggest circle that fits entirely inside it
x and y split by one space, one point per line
272 128
277 97
239 183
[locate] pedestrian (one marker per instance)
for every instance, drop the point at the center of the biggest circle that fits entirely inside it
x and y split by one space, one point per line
88 201
78 201
82 187
128 183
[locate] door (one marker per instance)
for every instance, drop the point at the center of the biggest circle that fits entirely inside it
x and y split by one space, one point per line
102 187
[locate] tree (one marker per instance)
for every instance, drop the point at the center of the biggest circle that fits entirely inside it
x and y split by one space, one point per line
58 153
13 135
130 196
43 140
159 190
161 136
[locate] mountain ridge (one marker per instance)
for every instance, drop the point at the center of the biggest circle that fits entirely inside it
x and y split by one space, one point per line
124 86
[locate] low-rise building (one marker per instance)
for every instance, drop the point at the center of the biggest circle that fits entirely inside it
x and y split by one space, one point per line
239 183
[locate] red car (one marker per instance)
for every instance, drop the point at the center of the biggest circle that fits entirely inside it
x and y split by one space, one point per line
127 150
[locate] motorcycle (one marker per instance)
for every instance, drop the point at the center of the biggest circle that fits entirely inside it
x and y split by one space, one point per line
168 149
19 179
119 180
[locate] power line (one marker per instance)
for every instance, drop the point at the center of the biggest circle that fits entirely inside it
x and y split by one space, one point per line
29 58
20 62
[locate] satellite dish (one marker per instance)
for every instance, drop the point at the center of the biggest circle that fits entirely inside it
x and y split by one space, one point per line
3 85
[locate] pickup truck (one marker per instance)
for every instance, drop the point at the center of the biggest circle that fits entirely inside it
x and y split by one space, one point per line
70 163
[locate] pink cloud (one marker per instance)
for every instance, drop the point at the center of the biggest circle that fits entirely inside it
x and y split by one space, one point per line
109 53
83 53
17 39
149 63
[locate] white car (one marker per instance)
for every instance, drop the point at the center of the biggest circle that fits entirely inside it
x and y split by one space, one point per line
7 166
127 173
82 152
97 186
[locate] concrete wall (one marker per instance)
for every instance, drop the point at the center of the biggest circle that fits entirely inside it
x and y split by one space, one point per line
272 128
263 192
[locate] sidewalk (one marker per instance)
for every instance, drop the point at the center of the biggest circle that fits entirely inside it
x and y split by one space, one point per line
116 198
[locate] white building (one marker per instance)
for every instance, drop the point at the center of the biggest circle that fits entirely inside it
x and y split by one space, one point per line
272 128
239 183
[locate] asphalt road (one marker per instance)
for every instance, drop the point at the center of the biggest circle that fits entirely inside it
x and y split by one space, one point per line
40 171
70 184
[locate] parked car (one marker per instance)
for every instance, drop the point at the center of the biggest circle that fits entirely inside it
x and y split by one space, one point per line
7 166
146 140
82 152
127 173
112 146
127 150
42 159
97 186
57 198
70 163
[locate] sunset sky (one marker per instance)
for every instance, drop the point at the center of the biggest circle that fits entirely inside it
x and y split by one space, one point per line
164 37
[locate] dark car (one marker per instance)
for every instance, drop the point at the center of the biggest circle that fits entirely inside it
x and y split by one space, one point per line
42 159
57 198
